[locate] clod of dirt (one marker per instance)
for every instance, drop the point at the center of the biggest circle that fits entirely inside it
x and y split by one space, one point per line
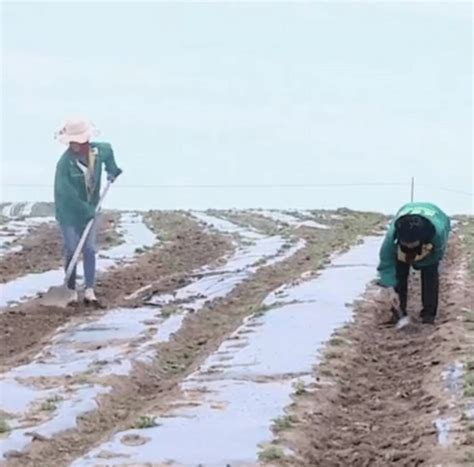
134 440
110 455
36 436
410 328
12 454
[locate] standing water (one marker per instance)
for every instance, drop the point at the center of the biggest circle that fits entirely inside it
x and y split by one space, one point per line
228 405
110 344
136 235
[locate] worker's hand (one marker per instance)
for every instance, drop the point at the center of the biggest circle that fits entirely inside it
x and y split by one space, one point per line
384 297
111 178
390 296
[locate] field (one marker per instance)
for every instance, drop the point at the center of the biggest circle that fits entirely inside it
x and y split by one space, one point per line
230 338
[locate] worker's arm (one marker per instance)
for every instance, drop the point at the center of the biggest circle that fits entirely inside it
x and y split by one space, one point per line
107 156
388 260
440 242
442 225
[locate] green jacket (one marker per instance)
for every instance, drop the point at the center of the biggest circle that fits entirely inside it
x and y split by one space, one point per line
72 205
389 250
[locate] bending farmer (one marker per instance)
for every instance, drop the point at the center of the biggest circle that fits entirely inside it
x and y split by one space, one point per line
77 193
417 237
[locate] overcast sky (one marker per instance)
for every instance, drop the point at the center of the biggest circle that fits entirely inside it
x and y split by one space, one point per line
245 93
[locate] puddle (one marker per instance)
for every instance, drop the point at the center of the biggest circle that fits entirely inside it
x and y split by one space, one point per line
246 260
15 210
452 378
442 429
288 254
16 397
221 281
226 226
12 210
106 346
136 235
17 229
470 411
111 343
75 349
120 324
294 221
169 327
319 214
453 382
7 211
202 434
63 418
239 390
27 209
326 289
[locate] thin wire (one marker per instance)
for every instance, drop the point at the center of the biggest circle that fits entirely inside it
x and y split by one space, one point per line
258 185
249 185
450 190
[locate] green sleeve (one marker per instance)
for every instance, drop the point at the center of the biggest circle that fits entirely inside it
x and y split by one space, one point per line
440 241
388 259
442 225
107 155
66 195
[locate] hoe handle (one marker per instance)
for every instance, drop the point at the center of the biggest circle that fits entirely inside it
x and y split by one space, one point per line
85 234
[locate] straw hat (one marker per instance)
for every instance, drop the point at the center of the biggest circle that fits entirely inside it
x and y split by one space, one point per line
76 130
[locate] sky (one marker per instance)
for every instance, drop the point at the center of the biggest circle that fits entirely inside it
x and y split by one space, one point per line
332 104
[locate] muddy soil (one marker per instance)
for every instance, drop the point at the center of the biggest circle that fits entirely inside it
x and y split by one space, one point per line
156 385
466 232
25 328
379 390
41 250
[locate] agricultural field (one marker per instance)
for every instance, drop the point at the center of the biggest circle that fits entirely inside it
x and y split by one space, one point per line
230 338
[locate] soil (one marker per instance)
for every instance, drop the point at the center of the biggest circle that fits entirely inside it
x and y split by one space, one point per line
378 390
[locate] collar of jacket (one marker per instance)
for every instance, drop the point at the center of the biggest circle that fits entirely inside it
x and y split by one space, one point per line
426 250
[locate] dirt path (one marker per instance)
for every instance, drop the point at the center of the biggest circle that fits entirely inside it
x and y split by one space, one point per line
27 327
379 390
41 249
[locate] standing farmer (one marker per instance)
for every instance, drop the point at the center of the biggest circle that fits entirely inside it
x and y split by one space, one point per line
76 195
417 237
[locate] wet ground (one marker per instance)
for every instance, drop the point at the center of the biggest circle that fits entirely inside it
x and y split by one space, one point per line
26 327
16 210
300 219
240 389
221 342
388 397
13 231
33 246
109 345
87 358
131 228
